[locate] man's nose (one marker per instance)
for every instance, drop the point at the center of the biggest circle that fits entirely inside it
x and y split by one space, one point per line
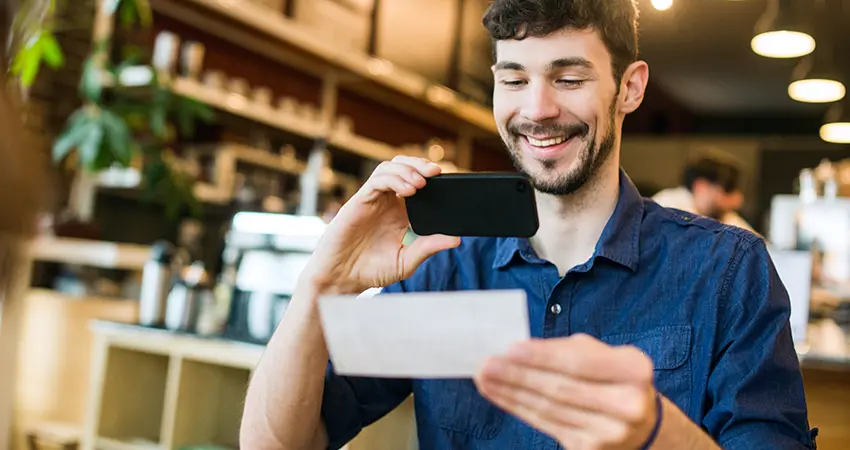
540 104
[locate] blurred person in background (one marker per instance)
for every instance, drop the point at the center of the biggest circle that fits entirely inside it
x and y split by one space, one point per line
24 181
23 190
711 187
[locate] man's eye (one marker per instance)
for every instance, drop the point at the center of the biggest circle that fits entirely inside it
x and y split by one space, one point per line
513 82
573 83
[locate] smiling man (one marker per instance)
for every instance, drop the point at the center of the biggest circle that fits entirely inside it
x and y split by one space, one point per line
651 328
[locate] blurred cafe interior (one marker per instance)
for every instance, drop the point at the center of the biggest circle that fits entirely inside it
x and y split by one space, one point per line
231 131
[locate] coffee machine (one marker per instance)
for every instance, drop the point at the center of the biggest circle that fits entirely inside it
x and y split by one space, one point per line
263 258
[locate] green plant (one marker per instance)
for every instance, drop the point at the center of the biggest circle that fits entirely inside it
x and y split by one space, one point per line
116 125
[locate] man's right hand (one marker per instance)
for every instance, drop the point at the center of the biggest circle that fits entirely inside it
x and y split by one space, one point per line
362 247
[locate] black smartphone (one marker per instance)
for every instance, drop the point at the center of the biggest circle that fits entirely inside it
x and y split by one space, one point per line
483 204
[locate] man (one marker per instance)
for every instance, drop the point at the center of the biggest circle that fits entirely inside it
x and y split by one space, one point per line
660 329
711 188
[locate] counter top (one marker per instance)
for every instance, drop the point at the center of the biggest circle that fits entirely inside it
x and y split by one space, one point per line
216 350
814 360
103 254
827 346
236 353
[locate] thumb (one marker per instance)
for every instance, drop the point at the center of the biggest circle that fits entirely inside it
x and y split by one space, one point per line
424 247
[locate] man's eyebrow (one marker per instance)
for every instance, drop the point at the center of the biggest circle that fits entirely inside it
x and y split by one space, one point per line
564 63
560 63
508 65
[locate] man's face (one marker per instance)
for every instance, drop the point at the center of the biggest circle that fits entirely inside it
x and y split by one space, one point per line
555 104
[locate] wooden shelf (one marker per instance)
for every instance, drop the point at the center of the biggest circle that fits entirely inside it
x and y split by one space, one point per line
228 155
115 444
242 106
177 390
107 255
222 352
273 35
42 294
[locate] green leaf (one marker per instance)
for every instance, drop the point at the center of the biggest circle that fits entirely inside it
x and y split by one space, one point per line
199 110
131 54
42 45
30 65
127 13
20 60
52 53
159 112
143 9
91 84
117 135
188 111
104 159
75 131
90 147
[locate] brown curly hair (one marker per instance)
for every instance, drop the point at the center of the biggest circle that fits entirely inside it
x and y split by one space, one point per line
615 20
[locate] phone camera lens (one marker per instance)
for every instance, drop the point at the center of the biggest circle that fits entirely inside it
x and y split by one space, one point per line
520 186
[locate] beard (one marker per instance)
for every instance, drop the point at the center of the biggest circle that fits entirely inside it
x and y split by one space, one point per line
589 159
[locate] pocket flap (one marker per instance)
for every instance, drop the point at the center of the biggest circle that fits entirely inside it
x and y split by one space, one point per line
668 346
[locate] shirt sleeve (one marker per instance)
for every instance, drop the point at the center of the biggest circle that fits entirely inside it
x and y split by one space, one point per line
350 404
756 398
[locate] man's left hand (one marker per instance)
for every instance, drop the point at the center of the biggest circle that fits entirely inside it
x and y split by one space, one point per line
584 393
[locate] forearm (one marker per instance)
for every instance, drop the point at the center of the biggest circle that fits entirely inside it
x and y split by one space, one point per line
678 431
283 404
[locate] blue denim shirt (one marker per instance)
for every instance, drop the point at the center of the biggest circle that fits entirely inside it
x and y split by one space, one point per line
701 299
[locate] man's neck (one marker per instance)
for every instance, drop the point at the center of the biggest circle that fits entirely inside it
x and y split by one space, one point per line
571 225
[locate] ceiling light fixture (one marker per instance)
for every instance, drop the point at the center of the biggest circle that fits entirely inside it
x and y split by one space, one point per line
836 128
662 5
817 90
816 79
780 34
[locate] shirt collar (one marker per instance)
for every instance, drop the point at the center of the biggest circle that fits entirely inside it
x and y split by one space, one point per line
620 240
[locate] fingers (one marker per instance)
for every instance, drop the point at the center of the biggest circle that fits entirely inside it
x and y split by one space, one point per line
626 402
404 175
423 248
423 166
584 357
569 425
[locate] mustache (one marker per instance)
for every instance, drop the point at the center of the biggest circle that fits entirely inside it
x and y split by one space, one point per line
537 129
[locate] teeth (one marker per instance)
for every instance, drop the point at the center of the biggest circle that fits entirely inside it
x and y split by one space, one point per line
546 142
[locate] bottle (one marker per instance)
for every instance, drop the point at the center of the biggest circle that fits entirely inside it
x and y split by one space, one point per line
156 283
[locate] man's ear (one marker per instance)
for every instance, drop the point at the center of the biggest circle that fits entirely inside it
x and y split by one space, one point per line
633 86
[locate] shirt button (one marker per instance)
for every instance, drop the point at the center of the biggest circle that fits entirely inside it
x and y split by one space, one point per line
555 309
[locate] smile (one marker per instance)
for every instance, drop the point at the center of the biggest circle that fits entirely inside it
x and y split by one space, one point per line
548 142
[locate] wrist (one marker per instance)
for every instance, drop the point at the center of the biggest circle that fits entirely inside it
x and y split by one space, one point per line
656 426
318 283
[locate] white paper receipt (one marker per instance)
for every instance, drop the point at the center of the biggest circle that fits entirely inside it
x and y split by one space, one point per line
422 335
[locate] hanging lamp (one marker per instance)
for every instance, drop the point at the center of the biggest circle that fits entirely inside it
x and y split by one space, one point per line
836 127
816 79
780 33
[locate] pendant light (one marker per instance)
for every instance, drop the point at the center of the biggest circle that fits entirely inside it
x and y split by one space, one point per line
816 79
662 5
836 127
779 33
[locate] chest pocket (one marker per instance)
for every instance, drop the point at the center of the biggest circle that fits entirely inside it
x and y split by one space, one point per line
669 347
456 405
